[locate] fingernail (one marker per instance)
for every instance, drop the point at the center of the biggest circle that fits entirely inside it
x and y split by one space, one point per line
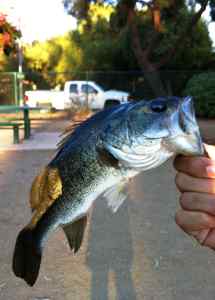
210 170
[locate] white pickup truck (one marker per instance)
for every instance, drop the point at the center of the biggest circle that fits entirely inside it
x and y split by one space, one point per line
76 93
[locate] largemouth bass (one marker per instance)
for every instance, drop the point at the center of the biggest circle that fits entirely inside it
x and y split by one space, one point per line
99 156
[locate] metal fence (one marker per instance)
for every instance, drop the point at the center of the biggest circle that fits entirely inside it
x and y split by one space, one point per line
11 91
140 85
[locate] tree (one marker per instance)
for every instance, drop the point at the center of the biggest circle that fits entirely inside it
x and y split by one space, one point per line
50 63
8 45
95 41
8 35
158 30
201 87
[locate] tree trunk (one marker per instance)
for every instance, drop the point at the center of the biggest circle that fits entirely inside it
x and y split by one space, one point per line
154 82
151 70
151 73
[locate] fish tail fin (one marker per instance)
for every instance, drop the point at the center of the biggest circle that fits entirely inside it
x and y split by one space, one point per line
27 257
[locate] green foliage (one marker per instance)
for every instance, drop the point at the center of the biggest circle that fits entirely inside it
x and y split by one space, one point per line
202 88
70 59
8 63
54 59
197 47
194 49
103 42
79 8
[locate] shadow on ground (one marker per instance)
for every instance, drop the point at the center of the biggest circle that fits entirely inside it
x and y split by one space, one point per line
110 251
136 254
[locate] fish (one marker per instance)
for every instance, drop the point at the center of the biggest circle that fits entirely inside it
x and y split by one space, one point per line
98 157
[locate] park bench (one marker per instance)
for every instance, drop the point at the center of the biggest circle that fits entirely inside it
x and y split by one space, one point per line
15 127
15 123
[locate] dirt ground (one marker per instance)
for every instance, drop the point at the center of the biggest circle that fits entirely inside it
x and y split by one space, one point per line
136 254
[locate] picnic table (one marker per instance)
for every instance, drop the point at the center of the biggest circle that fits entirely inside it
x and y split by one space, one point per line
15 124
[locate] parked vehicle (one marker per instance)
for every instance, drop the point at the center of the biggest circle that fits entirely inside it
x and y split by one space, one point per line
76 93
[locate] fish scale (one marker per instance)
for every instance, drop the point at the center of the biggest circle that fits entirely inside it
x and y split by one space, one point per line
99 157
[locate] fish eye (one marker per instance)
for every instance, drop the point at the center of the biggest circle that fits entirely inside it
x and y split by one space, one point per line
158 106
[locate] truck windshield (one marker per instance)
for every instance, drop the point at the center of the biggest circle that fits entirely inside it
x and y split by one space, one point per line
99 87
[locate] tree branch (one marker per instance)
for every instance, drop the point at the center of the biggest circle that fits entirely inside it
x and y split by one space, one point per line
184 34
141 55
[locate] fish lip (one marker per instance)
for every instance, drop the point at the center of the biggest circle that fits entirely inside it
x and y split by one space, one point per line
187 118
199 146
189 126
187 106
185 144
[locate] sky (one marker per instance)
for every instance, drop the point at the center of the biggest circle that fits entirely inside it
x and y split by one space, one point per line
211 26
38 19
44 19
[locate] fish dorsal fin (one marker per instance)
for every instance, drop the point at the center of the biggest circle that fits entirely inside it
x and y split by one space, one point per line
75 233
46 188
78 120
116 195
67 134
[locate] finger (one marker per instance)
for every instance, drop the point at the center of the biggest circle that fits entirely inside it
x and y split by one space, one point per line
192 201
202 167
187 183
210 240
201 236
194 221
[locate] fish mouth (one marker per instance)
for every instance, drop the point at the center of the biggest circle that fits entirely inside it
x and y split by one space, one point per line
187 118
190 127
185 144
195 144
187 140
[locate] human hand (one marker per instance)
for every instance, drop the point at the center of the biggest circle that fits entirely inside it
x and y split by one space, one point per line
196 182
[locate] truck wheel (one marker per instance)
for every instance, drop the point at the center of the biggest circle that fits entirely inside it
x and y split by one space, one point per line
111 103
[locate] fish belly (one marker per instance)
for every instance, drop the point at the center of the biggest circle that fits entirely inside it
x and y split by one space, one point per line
82 205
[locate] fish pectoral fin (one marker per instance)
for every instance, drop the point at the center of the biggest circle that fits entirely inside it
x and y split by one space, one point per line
75 233
116 195
46 185
37 188
46 189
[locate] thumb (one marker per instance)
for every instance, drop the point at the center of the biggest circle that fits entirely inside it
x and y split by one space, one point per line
210 149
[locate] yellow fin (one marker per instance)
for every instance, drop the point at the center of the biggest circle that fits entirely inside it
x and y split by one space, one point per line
46 188
37 188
